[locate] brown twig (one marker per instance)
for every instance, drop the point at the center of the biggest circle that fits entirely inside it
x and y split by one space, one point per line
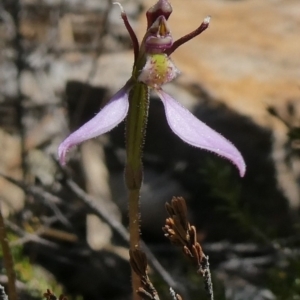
179 231
174 295
139 264
50 296
8 261
92 205
99 48
3 296
15 12
39 193
119 228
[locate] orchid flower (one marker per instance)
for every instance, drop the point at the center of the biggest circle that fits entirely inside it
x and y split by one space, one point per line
152 68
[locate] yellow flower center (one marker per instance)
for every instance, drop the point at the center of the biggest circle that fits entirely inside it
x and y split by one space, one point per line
158 70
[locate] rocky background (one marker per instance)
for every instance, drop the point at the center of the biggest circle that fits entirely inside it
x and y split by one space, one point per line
60 61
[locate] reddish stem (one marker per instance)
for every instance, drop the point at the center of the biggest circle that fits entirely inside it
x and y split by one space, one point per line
134 40
189 36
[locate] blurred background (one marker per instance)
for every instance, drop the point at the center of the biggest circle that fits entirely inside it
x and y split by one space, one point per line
61 61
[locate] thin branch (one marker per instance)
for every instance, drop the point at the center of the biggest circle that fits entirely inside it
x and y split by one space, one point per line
3 296
29 237
174 295
8 261
49 199
205 271
179 231
19 62
100 211
139 264
99 47
92 205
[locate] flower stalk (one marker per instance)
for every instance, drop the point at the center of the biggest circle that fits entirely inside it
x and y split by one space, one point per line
135 136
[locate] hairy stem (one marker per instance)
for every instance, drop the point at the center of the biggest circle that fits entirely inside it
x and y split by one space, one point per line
134 230
135 134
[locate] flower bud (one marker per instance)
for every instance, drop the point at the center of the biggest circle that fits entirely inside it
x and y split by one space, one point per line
161 8
158 37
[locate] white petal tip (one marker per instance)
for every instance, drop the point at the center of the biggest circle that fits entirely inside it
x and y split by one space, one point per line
207 20
241 167
120 5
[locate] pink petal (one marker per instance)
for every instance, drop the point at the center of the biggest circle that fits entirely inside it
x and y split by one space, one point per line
109 117
198 134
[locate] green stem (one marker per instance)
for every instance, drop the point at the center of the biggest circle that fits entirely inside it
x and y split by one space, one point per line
135 135
134 230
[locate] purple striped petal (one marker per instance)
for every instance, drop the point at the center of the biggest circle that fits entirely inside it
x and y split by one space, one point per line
109 117
198 134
